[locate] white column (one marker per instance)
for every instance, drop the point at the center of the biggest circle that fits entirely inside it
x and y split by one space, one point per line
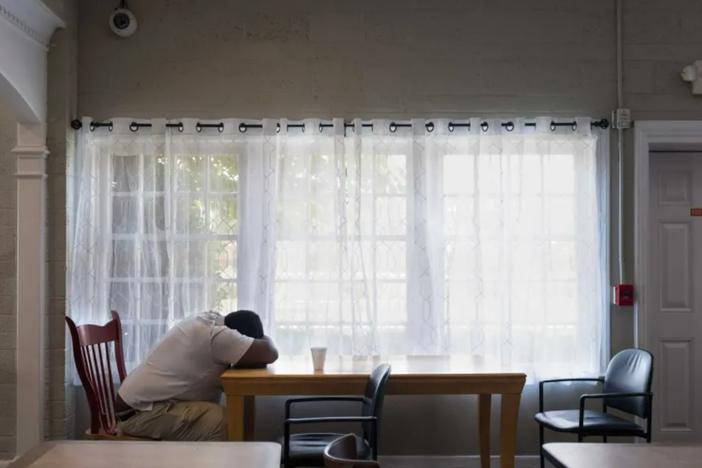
31 283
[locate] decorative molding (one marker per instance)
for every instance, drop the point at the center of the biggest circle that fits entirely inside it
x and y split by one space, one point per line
30 154
21 25
31 17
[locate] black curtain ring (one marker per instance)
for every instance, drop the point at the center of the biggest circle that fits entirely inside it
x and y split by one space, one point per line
574 126
450 126
303 128
181 127
242 127
320 127
220 127
553 126
484 126
277 128
133 127
392 127
92 127
429 126
109 126
76 124
509 126
198 128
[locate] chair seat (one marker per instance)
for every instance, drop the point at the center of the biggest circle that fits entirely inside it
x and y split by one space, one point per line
593 422
309 447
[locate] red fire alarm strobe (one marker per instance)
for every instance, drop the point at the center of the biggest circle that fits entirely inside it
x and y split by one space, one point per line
623 294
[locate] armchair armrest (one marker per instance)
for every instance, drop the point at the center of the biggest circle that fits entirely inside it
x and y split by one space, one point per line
576 379
593 396
373 420
291 401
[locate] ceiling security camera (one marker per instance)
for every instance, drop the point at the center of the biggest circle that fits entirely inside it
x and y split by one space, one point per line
122 21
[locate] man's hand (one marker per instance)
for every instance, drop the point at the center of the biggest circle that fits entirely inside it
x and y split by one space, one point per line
261 353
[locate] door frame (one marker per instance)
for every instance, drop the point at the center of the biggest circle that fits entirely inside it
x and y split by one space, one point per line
646 134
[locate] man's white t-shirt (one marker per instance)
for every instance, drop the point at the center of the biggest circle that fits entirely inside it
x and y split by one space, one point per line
186 364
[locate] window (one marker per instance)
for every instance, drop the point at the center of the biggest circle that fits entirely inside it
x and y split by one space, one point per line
489 244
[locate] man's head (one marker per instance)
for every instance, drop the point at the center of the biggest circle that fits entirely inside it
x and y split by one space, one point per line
246 322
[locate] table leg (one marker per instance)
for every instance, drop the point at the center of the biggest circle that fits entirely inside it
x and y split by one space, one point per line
484 402
236 417
249 417
508 428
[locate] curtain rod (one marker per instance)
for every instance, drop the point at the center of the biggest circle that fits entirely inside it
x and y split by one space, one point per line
392 126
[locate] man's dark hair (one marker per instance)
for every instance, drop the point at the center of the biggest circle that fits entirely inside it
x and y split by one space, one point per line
246 322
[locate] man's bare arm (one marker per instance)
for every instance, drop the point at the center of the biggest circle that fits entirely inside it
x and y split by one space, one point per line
261 352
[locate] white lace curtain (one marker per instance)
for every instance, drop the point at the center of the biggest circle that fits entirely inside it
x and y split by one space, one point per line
489 242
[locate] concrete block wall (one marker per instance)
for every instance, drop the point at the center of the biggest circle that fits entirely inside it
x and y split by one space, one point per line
363 58
8 309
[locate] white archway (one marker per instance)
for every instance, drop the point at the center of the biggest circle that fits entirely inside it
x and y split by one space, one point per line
26 26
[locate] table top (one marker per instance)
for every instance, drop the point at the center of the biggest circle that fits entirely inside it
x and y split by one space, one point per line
601 455
410 375
430 366
143 454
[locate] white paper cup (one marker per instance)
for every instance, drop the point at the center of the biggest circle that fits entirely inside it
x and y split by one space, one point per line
319 354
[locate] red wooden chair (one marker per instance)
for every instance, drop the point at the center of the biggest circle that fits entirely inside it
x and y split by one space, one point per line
91 352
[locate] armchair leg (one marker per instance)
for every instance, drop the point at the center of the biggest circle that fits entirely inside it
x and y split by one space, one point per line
541 445
604 439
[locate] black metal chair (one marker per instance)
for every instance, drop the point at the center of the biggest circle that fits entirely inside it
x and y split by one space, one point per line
626 387
341 453
307 449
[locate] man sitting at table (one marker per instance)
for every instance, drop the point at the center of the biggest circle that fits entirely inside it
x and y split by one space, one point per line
174 394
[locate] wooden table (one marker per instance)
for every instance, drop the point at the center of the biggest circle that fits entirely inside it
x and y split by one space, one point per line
599 455
144 454
440 375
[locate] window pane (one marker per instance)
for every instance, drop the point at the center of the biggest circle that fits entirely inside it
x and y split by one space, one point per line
154 173
392 301
154 214
188 299
123 298
390 174
190 214
222 297
323 260
221 259
224 173
391 259
155 260
125 173
125 218
190 173
189 259
123 258
154 300
223 214
458 174
391 215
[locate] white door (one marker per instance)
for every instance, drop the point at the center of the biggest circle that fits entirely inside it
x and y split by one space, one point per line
675 295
